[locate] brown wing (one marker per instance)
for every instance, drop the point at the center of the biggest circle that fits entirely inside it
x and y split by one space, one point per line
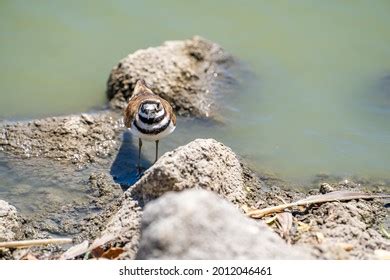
131 110
169 110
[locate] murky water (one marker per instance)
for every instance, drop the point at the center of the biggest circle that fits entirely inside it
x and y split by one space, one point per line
318 103
34 186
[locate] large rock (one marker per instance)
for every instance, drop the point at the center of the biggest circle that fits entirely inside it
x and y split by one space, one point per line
203 163
80 139
9 222
189 74
197 224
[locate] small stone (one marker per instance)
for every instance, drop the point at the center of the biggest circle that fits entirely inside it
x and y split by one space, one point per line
87 118
326 188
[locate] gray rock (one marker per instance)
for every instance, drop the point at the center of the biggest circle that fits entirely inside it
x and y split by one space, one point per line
189 74
197 224
80 139
123 228
9 222
203 163
326 188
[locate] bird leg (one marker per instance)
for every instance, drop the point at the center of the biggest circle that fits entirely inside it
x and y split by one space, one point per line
139 152
156 151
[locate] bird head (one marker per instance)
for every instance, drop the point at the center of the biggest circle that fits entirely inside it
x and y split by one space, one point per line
151 109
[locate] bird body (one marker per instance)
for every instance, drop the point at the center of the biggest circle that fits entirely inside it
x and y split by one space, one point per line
148 116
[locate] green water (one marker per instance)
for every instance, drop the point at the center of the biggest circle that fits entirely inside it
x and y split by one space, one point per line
312 107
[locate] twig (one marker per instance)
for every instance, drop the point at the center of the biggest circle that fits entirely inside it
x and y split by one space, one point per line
329 197
281 199
75 251
36 242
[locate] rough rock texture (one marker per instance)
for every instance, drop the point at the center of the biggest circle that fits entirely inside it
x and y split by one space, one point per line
102 190
345 230
334 230
9 222
203 163
189 74
80 139
123 228
350 230
197 224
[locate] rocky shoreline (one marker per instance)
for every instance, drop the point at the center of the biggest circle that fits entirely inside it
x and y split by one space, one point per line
191 203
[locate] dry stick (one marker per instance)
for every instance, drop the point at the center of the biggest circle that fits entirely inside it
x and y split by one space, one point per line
329 197
36 242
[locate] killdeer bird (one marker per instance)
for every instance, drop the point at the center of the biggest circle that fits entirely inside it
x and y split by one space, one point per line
148 116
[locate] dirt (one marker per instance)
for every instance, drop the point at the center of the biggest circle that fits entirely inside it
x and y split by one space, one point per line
336 230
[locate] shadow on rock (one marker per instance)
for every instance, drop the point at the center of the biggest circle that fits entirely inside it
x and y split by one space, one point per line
124 168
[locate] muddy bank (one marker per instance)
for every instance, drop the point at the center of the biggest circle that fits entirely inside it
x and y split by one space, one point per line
83 149
79 139
334 230
58 174
355 229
